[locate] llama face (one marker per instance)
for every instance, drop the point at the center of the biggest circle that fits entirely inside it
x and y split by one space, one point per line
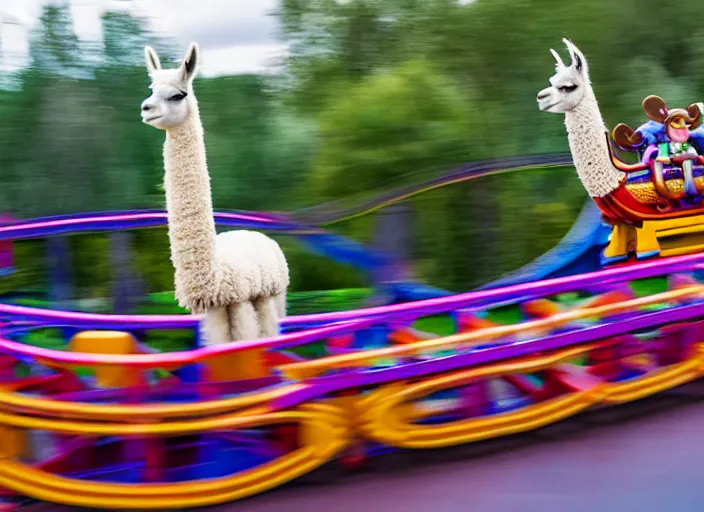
169 105
567 85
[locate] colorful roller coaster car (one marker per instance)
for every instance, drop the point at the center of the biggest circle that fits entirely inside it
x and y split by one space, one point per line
658 207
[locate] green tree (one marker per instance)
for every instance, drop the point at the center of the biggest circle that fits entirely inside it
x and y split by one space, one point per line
404 120
54 46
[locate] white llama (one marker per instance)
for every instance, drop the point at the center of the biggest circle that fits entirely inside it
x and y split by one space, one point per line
571 94
238 279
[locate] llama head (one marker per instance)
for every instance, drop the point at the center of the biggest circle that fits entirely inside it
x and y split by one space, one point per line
568 85
168 106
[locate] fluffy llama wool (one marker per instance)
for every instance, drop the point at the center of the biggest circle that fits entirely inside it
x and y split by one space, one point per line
586 133
237 279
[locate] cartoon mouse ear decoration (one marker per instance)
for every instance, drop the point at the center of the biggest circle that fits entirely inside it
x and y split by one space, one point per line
696 112
655 108
626 137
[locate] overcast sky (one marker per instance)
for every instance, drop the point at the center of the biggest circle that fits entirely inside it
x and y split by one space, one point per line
235 36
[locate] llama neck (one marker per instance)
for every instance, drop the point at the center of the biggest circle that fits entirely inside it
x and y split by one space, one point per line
586 133
190 210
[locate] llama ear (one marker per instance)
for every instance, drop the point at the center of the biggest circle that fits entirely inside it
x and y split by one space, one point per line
189 66
655 108
151 59
559 64
578 62
577 57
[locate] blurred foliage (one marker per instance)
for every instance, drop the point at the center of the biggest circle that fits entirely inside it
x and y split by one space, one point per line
375 92
409 118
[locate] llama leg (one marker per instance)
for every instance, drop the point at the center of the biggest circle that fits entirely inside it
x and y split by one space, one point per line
215 327
267 316
244 325
243 322
280 300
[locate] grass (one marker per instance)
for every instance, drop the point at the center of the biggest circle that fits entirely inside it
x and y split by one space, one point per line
52 339
649 286
506 315
442 325
299 303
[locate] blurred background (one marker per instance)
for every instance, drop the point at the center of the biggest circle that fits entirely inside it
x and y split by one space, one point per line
309 101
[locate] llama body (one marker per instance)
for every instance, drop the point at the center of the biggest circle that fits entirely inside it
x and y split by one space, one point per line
237 279
589 148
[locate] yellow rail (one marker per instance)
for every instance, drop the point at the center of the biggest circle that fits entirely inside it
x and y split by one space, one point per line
388 416
129 413
323 432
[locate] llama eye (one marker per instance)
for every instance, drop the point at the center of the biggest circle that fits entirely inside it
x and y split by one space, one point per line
567 88
177 97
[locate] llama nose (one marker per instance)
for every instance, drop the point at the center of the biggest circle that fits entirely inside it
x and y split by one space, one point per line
147 105
542 95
